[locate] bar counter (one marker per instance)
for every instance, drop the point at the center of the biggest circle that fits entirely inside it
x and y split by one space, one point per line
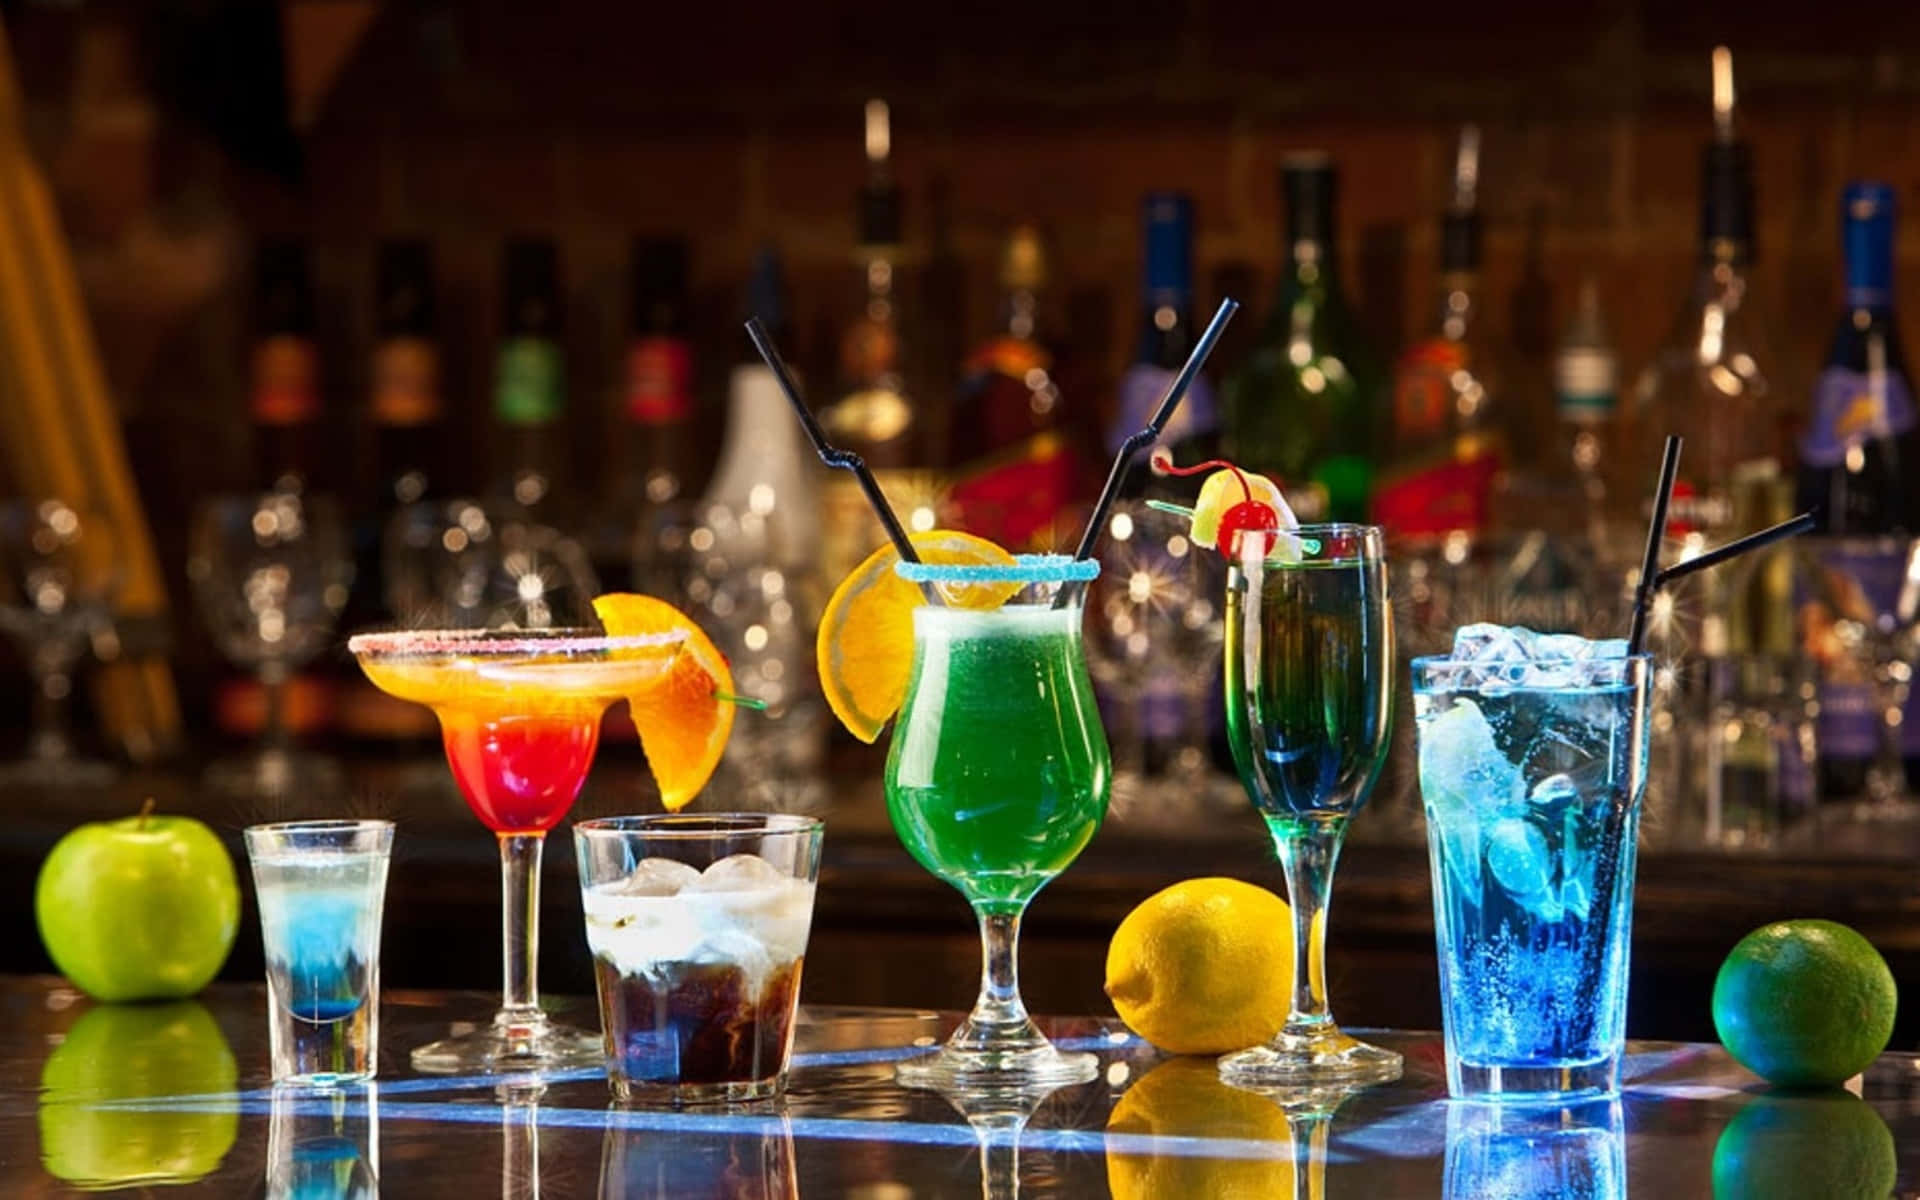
129 1096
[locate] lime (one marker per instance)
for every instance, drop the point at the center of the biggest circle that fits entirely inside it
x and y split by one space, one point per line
1827 1143
1804 1003
1203 967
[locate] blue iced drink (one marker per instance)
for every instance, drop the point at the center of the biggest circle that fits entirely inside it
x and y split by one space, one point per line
1533 762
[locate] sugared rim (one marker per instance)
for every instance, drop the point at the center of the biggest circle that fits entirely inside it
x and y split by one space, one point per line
700 825
1027 568
501 643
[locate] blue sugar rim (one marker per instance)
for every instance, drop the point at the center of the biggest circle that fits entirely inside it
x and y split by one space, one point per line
1027 568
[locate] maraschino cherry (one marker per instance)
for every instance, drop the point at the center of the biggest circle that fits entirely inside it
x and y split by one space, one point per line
1248 516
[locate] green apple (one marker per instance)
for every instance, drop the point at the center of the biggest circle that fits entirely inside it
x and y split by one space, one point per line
120 1052
143 908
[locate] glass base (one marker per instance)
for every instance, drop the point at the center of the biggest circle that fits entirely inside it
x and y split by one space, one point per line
1534 1083
511 1047
971 1064
682 1095
1322 1056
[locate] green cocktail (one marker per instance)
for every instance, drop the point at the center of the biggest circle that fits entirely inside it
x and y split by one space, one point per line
997 775
996 779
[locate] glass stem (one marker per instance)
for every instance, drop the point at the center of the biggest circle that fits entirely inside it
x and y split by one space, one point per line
1308 850
999 1006
520 927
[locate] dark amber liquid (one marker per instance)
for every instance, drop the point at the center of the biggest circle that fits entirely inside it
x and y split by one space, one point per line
695 1023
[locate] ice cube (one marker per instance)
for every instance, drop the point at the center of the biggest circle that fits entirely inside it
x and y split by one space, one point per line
1493 643
1464 779
1517 856
1553 794
655 877
739 873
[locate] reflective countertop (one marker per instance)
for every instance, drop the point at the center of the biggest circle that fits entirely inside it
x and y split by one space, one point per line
101 1096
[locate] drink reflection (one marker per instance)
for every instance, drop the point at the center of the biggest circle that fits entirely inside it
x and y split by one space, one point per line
1528 1153
644 1164
324 1145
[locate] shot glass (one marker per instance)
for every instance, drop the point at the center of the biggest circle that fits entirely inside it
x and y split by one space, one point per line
322 885
1532 776
698 927
324 1143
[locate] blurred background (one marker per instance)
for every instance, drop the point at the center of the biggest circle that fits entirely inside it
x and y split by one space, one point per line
334 314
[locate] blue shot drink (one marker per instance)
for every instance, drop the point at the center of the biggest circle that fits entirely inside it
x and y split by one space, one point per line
1533 763
322 886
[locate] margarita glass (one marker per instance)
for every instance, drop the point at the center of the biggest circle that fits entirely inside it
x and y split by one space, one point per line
520 718
997 777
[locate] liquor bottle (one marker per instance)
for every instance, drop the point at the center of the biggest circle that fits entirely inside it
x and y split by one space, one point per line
1861 445
873 414
1303 408
1165 340
1586 374
529 393
284 369
405 401
1446 449
756 576
1706 383
408 460
1013 471
651 506
766 467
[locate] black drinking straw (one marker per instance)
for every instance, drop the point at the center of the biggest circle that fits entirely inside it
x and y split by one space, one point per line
1176 392
1735 548
1656 534
833 456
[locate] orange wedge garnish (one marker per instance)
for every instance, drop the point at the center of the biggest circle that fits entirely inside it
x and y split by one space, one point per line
865 647
683 719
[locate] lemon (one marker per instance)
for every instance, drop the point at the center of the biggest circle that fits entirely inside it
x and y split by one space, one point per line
1184 1098
1804 1003
865 646
1203 967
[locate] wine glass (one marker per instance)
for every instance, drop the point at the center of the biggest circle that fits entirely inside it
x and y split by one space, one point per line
469 564
1309 662
270 572
997 777
1152 614
56 594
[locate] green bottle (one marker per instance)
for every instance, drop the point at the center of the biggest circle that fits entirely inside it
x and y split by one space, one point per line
1303 408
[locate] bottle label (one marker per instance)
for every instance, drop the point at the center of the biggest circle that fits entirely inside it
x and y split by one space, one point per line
1850 407
286 381
659 381
1141 390
1423 387
530 387
1451 496
406 382
1585 383
1014 497
1851 586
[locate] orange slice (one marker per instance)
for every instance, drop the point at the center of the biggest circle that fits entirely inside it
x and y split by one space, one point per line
865 647
682 721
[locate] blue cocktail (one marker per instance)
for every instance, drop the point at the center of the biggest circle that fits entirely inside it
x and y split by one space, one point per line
1533 761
